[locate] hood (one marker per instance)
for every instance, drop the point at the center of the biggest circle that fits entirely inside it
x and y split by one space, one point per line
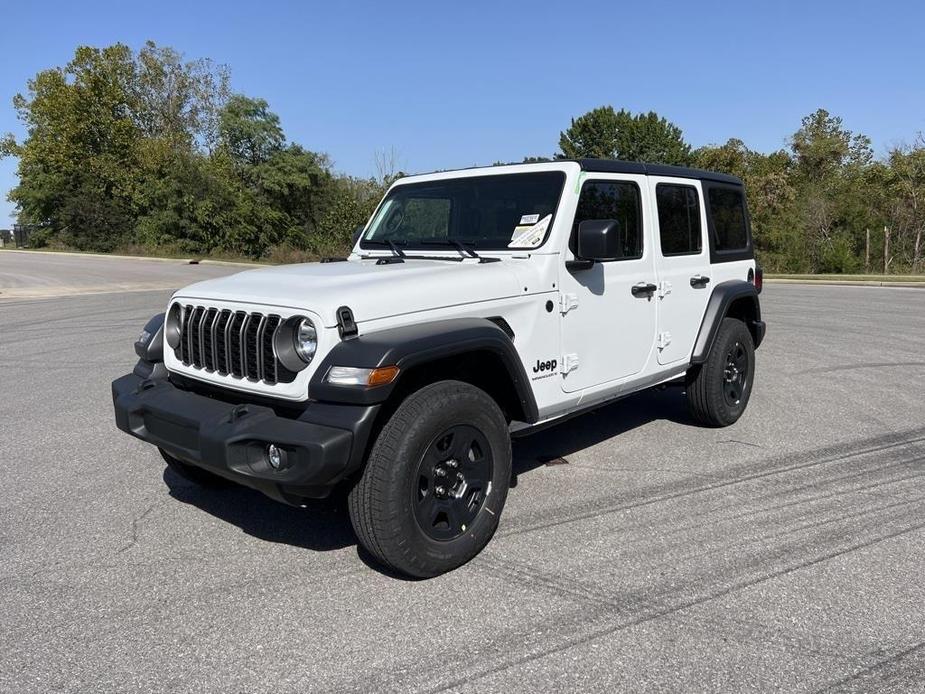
371 291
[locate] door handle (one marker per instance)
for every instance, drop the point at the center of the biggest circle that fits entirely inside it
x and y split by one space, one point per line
699 281
643 288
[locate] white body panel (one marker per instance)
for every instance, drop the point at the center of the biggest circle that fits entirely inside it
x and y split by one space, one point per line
680 305
611 334
611 331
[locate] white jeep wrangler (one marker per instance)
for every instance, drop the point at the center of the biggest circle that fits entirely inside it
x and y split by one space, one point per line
475 305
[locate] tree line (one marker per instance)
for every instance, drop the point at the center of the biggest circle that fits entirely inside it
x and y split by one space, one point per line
143 150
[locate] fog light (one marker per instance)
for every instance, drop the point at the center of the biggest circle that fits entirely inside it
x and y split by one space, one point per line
274 456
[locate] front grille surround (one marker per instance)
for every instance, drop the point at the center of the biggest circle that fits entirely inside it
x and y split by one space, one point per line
239 344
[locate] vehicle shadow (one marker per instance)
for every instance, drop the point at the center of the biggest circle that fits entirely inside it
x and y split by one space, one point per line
551 445
324 525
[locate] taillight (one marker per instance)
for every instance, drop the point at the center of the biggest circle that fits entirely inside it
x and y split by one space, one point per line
758 279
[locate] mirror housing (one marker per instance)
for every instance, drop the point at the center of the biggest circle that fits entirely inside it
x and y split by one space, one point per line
600 240
357 233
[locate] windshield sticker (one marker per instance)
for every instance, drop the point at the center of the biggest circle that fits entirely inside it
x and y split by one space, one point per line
530 236
530 219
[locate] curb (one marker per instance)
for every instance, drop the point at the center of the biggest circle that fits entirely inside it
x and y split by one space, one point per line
848 283
157 259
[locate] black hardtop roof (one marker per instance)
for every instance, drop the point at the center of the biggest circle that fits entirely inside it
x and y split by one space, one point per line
616 166
638 167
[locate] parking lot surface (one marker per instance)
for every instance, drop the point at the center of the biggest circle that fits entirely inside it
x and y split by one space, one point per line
783 553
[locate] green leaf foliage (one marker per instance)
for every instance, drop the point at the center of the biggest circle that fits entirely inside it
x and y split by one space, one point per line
145 149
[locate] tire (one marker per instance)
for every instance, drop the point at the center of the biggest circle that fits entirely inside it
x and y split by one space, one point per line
397 508
717 395
191 473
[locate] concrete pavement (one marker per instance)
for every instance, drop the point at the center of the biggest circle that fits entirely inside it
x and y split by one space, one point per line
784 553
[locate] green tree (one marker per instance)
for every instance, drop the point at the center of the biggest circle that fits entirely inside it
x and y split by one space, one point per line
249 130
829 174
75 165
179 101
147 148
603 133
906 181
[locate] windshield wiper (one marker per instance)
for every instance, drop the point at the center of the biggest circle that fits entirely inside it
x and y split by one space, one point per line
455 243
390 244
461 246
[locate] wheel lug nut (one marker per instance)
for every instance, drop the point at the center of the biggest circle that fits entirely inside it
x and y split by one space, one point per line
440 491
459 475
440 472
451 463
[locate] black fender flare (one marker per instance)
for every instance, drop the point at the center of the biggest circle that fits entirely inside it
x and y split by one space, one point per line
150 349
723 296
413 345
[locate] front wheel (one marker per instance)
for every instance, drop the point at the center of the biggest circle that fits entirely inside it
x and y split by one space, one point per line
718 390
436 481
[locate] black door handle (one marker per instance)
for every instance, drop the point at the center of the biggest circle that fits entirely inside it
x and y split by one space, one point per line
638 289
700 281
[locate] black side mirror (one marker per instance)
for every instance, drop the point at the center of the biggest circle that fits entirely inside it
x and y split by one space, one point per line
357 233
599 239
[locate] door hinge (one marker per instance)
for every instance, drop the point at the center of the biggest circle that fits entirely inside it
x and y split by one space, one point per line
664 289
567 302
664 339
569 363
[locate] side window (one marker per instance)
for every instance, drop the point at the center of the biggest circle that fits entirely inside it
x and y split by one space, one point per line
678 219
727 214
619 200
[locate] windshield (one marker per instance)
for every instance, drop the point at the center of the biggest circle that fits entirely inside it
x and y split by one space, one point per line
483 212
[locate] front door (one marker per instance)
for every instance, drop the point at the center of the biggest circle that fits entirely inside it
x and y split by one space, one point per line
608 329
683 265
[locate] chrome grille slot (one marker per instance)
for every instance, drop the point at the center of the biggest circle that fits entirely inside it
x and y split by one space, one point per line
231 343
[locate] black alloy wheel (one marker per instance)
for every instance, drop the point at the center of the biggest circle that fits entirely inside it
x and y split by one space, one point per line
735 374
453 481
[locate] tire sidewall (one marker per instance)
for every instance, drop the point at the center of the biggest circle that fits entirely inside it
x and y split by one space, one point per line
472 407
731 331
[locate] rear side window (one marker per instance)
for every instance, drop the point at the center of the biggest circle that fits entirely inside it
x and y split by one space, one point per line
727 213
678 219
619 200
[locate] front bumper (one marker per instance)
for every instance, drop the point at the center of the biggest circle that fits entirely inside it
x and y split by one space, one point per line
322 445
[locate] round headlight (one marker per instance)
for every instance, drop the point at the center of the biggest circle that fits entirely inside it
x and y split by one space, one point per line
172 326
306 340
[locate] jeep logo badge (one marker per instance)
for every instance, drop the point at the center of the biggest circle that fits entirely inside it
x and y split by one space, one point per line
544 366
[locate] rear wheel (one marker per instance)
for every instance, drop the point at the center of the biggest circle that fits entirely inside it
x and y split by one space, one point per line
718 390
436 481
193 474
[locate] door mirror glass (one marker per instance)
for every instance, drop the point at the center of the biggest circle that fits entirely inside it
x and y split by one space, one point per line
600 239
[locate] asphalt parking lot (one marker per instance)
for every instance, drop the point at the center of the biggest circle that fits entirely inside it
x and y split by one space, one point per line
784 553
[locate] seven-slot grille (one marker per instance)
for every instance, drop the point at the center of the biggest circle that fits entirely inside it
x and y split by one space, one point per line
233 343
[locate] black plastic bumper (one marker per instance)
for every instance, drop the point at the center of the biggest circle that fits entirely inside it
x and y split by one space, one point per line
321 446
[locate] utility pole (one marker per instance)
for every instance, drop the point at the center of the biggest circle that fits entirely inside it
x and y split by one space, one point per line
867 251
886 250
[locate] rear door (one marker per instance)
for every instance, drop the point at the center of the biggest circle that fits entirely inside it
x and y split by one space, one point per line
682 263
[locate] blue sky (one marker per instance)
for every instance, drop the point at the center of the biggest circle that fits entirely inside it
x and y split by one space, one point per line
457 84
